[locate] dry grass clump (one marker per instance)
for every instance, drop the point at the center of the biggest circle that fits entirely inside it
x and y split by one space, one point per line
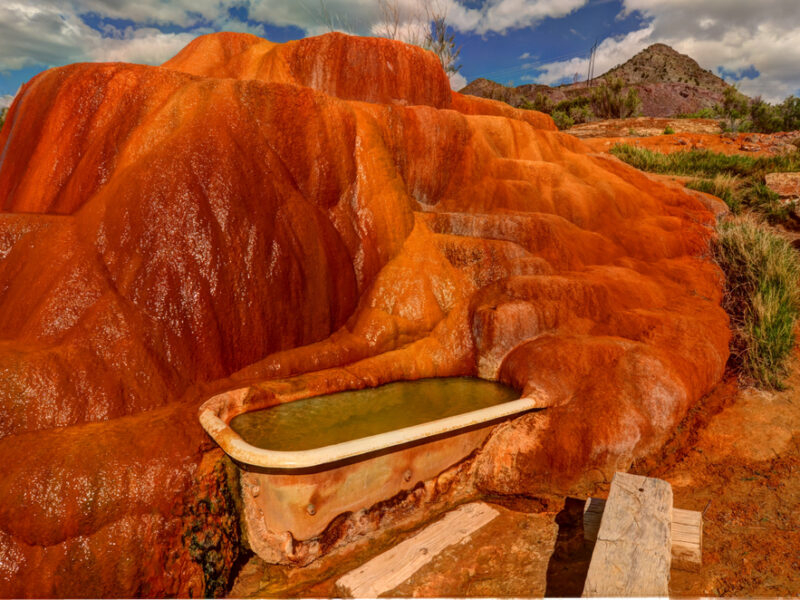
762 298
724 186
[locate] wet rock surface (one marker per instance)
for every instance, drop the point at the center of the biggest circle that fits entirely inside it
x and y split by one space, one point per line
253 212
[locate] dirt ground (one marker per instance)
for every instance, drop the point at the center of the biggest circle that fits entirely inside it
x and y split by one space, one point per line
643 126
690 134
737 459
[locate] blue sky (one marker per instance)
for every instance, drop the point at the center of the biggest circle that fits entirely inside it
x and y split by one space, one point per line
756 44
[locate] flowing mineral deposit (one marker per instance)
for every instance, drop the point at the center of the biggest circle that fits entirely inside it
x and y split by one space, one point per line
307 218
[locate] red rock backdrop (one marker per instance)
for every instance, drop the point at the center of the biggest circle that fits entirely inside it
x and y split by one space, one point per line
251 210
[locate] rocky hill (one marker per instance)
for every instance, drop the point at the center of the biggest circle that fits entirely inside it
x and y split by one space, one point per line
668 83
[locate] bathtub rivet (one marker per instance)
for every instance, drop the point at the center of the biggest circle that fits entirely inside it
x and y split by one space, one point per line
255 491
407 475
423 551
311 509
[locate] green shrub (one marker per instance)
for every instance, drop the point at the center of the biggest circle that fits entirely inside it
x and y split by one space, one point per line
562 119
789 112
668 130
764 117
734 109
762 298
610 102
3 113
542 103
709 112
581 114
571 103
759 197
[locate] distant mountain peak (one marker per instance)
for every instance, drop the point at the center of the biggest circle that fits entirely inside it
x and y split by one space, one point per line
660 63
668 83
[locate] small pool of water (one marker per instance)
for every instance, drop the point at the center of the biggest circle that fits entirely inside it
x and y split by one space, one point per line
344 416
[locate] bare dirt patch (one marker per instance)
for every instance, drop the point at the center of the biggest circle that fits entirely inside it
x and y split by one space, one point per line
737 459
643 127
653 138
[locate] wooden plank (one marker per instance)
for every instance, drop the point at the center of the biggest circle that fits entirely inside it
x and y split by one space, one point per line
687 533
388 570
687 517
687 539
632 554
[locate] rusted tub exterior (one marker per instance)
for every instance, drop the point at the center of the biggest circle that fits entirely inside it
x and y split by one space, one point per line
294 495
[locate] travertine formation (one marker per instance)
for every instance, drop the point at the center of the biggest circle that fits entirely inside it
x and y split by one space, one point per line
319 214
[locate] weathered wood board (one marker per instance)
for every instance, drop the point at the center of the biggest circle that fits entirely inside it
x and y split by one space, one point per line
388 570
632 554
687 532
687 538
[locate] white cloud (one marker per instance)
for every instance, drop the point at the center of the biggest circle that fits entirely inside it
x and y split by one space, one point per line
48 35
364 16
184 13
41 34
6 100
731 34
457 81
524 55
143 46
577 33
498 16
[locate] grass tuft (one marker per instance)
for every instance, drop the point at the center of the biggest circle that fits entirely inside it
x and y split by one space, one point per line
762 298
723 186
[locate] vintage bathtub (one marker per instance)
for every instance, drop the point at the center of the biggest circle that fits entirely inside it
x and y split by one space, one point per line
295 480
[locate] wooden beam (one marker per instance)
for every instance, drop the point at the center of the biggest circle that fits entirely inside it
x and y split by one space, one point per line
687 533
632 554
687 539
388 570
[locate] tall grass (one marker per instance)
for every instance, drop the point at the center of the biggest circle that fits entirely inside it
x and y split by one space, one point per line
723 186
736 179
762 298
704 163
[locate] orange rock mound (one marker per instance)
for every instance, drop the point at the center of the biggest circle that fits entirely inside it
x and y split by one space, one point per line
278 212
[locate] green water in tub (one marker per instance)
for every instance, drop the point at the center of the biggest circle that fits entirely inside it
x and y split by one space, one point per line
335 418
